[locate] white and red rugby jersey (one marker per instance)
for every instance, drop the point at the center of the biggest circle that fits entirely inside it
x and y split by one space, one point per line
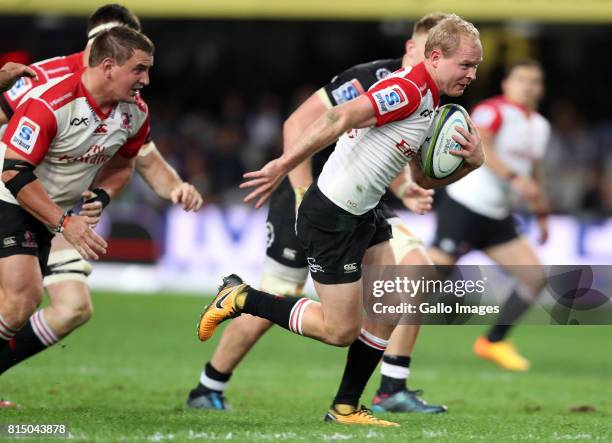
47 70
521 138
365 161
59 128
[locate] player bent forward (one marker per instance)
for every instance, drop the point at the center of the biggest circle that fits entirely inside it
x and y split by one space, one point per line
70 304
285 269
338 223
49 163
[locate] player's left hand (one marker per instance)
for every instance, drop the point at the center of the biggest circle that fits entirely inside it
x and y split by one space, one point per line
11 72
188 196
91 211
418 200
471 145
265 181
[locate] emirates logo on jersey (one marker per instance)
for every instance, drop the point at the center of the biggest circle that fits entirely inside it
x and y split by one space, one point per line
94 156
405 149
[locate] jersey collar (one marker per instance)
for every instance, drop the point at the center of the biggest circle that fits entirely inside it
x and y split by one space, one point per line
94 105
423 77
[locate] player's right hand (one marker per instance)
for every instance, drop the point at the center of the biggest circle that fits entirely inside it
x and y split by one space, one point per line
187 196
265 181
11 72
78 232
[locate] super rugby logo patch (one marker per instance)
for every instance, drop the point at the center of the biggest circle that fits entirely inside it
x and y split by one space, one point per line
390 99
24 137
347 91
22 86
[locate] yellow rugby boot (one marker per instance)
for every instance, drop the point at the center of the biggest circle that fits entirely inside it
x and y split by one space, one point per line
228 303
501 352
355 416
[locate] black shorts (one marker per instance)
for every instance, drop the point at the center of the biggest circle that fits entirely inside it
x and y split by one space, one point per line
335 240
460 229
282 244
22 234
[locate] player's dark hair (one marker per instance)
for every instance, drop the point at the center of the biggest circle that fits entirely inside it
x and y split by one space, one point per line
425 23
119 44
110 13
523 63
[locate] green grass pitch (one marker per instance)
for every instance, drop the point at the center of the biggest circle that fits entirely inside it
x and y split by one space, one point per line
124 377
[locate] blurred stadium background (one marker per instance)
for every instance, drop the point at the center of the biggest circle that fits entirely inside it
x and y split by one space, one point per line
228 72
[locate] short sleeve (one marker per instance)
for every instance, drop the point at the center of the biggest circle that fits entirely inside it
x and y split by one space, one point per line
9 100
487 116
31 130
134 143
394 99
347 86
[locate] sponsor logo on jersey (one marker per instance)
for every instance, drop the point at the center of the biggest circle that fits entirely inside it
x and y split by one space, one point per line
61 99
427 113
78 121
101 129
20 87
350 267
314 268
382 73
405 149
95 155
24 137
390 99
126 120
347 91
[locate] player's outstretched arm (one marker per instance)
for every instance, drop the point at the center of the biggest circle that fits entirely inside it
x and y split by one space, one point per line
357 113
11 72
164 180
309 111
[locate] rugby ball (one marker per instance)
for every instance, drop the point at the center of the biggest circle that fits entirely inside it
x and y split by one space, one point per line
436 159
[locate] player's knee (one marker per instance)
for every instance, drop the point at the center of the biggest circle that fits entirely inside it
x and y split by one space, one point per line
75 314
343 336
21 303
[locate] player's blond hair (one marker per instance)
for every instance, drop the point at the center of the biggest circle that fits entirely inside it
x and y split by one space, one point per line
425 23
446 35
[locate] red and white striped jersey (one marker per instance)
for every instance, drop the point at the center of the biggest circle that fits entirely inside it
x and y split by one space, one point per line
59 128
47 70
365 161
521 138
